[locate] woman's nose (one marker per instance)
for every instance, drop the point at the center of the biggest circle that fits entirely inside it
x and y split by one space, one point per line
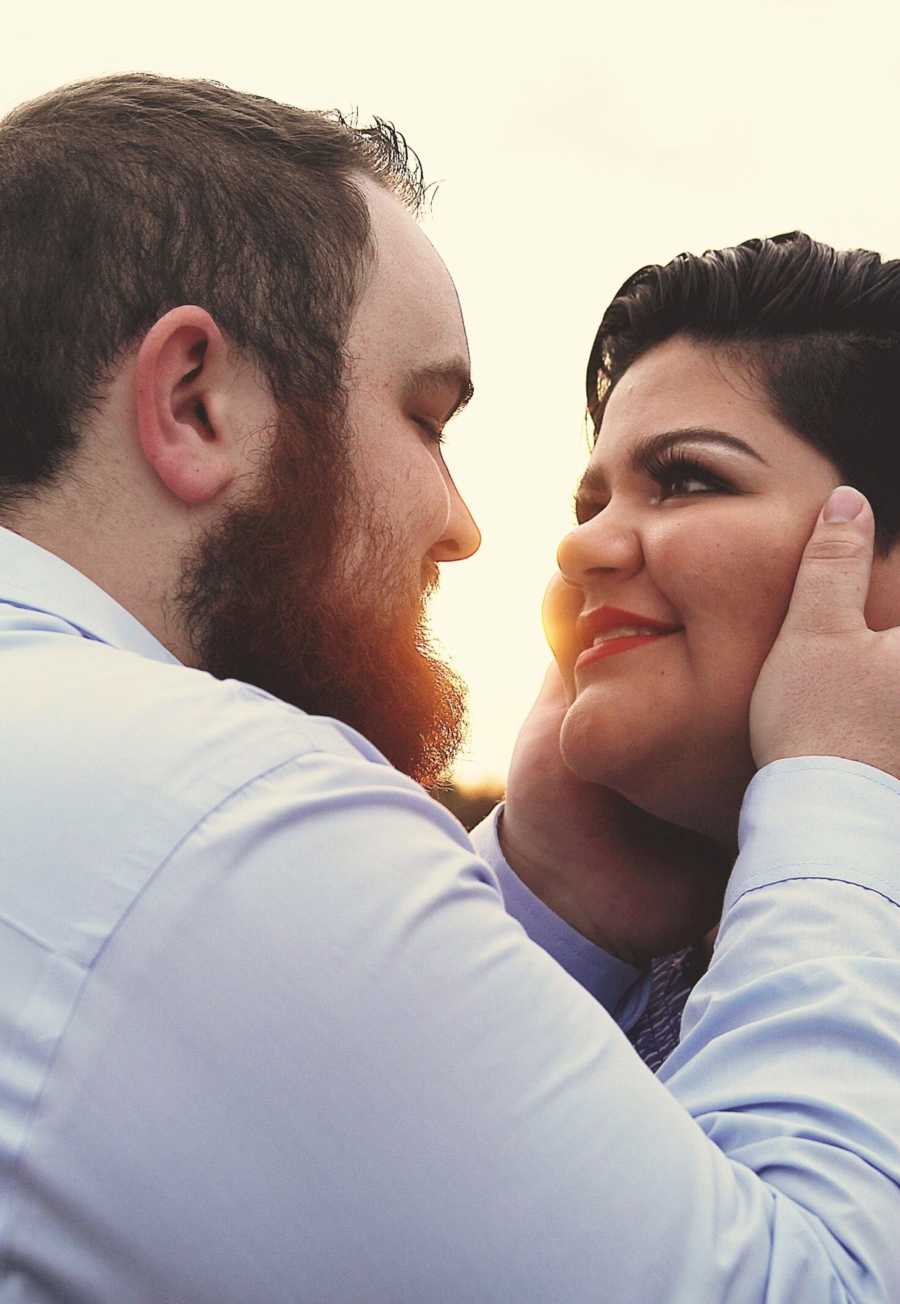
602 547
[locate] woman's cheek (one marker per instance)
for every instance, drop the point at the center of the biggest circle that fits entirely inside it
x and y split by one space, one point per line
729 588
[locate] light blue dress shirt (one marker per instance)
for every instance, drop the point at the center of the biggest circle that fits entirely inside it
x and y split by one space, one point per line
267 1032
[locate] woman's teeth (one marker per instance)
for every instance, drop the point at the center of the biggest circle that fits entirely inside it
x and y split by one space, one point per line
623 631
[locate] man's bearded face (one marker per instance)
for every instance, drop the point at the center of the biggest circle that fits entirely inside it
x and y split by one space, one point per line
271 597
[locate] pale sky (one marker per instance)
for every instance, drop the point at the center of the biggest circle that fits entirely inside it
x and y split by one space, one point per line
570 151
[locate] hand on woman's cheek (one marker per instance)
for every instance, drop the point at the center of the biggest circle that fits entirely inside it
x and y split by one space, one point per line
633 886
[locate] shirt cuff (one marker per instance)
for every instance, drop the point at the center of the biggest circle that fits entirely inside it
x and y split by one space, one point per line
619 987
819 817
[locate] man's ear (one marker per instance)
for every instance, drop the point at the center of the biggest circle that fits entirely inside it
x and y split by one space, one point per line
183 425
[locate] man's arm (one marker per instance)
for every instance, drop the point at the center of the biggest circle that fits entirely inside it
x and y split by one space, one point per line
621 988
319 1061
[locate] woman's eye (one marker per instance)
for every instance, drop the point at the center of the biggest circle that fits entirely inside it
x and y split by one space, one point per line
680 478
677 485
674 477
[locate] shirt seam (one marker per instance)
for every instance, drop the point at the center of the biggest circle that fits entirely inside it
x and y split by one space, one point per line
806 878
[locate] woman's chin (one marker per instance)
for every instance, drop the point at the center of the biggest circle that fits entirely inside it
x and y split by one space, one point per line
604 758
656 775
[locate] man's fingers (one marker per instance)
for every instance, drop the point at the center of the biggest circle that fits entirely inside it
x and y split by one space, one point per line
833 579
553 693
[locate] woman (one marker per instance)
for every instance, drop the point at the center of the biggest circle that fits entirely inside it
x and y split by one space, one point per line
729 395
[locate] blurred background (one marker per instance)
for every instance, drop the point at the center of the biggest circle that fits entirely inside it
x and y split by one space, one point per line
570 149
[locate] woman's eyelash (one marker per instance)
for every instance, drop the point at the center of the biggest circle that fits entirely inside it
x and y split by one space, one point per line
667 468
672 465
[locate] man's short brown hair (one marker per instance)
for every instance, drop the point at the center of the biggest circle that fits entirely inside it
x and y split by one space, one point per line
125 196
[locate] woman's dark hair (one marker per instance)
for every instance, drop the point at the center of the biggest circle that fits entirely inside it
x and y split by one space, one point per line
125 196
818 328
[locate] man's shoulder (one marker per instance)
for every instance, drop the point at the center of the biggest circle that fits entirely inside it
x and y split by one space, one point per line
114 762
107 705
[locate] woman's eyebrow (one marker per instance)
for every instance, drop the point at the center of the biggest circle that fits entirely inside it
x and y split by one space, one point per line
650 448
593 484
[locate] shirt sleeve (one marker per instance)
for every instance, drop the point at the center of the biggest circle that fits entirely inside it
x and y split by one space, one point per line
320 1061
622 989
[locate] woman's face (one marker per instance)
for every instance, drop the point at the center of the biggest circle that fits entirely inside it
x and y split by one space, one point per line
694 512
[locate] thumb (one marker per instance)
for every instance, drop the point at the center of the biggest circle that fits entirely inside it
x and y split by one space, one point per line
552 692
833 580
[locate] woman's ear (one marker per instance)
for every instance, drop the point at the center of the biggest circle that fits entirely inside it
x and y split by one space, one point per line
183 424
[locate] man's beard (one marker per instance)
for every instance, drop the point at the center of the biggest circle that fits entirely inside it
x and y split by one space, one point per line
266 599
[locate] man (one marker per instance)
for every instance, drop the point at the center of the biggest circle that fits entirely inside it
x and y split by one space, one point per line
268 1031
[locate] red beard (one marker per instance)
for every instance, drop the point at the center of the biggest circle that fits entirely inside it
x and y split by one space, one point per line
266 600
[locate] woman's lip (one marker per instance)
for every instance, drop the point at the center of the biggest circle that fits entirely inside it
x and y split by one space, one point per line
613 646
606 619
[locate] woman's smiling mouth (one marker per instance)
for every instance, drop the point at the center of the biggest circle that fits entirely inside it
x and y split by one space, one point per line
607 631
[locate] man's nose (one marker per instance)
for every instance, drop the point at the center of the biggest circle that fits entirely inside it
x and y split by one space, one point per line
462 537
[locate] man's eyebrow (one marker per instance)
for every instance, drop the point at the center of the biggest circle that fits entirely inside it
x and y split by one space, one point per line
593 482
453 376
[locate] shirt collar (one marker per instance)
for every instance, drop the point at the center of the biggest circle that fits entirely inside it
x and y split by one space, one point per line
38 580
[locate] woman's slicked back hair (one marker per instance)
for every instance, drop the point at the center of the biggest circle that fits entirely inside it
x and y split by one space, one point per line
818 328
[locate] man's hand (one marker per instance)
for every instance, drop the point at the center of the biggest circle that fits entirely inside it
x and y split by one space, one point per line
830 685
635 886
